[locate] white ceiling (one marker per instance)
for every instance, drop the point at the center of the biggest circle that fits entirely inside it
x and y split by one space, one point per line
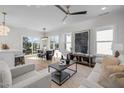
37 17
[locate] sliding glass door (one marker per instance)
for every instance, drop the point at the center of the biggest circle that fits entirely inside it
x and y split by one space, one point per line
30 45
36 45
27 45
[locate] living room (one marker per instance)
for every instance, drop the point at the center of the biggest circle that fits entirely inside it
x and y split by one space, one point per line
61 46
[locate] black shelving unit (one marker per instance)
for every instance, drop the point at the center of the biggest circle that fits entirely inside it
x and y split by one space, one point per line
19 60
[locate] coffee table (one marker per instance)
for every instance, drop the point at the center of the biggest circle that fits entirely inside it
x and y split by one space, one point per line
59 76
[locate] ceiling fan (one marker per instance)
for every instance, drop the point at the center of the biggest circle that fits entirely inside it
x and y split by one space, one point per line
67 11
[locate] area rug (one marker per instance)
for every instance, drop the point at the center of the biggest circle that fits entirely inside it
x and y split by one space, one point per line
74 82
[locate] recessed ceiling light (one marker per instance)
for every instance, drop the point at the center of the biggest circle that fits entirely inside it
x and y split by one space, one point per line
103 8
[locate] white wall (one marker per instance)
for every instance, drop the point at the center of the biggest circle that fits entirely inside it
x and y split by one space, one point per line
14 37
115 20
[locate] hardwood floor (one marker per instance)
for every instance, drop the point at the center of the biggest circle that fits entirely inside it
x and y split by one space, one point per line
74 82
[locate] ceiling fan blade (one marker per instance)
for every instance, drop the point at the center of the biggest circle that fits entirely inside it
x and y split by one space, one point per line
78 13
65 18
58 6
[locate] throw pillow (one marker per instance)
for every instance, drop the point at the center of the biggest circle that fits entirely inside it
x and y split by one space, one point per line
110 60
5 75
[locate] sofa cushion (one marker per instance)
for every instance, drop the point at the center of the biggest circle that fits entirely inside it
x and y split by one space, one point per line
24 77
114 68
110 60
5 75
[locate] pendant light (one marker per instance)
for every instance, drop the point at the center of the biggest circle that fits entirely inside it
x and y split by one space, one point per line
44 35
3 28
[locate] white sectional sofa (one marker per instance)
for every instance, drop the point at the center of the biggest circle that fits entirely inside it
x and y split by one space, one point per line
114 80
91 81
24 76
27 77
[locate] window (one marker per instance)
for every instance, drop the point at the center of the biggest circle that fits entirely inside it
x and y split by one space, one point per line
68 42
36 45
54 42
30 45
104 39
